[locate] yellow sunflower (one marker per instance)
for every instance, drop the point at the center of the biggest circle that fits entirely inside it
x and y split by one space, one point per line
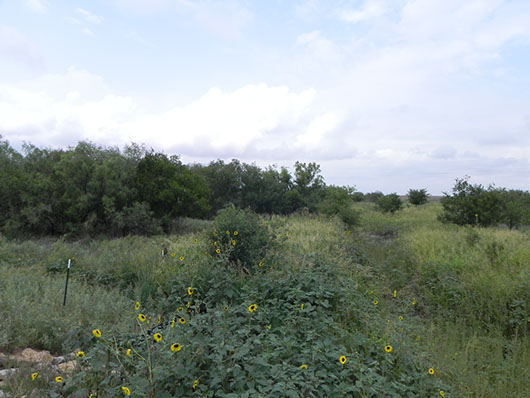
34 376
190 291
137 306
431 371
126 391
342 360
388 348
141 317
157 337
58 379
80 354
303 366
252 308
97 333
175 347
182 321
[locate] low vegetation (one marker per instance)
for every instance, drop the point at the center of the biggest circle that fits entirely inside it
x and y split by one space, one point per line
313 308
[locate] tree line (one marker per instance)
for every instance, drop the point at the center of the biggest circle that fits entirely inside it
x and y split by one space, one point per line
90 190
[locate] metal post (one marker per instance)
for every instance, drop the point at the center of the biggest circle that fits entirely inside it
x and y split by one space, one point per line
67 277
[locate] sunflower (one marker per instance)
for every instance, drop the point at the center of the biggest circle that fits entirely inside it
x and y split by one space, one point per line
190 291
388 348
228 232
128 352
431 371
181 258
252 308
376 302
195 383
175 347
80 354
342 360
180 309
400 318
302 306
97 333
173 254
218 251
126 391
303 366
395 293
182 321
236 233
34 376
233 242
141 317
442 394
157 337
225 308
137 306
159 320
58 379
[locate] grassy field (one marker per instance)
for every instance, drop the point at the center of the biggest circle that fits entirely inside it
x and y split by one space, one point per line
447 298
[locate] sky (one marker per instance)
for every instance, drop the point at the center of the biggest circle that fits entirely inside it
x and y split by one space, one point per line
384 95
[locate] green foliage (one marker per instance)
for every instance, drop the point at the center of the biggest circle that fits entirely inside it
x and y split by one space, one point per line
241 236
373 196
472 205
273 337
389 203
338 201
515 208
418 196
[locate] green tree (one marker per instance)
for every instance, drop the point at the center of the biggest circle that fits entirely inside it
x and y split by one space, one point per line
515 208
389 203
472 204
418 196
170 189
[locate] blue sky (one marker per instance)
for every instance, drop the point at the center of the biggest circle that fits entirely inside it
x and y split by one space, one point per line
383 94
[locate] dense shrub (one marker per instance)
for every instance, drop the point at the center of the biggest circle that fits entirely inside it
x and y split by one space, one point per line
338 201
472 204
418 196
241 236
302 335
515 208
389 203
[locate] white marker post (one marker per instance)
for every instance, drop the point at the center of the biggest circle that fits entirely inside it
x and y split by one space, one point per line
67 277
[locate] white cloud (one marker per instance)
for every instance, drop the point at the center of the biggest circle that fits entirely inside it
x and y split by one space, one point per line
40 6
371 9
87 32
89 17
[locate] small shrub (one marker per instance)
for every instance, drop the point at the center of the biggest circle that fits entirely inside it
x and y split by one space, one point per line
389 203
242 236
418 196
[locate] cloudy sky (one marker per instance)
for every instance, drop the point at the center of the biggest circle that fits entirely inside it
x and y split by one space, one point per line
383 94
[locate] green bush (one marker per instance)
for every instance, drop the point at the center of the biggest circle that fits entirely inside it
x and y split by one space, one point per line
472 205
418 196
515 208
241 237
338 201
389 203
304 334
